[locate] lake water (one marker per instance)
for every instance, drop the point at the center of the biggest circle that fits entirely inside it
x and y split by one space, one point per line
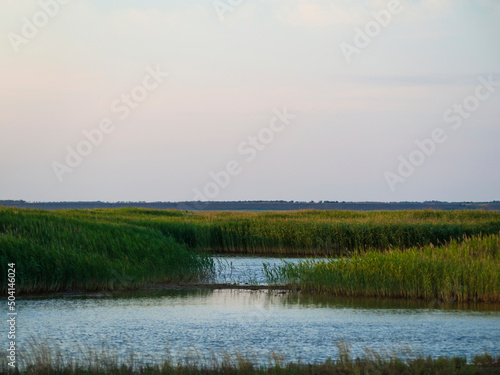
185 322
242 270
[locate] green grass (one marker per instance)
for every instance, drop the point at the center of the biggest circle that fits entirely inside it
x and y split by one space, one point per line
58 251
307 232
129 248
319 232
41 360
459 271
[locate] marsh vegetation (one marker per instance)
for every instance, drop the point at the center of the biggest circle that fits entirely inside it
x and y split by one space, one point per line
467 270
410 254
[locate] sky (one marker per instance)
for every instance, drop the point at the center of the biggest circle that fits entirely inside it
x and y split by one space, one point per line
359 100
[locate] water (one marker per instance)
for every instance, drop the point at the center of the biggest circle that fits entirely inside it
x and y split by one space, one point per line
150 323
242 270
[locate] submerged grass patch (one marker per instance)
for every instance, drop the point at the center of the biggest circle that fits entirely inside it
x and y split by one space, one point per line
459 271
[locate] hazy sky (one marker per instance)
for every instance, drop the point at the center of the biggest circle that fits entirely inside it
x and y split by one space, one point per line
286 97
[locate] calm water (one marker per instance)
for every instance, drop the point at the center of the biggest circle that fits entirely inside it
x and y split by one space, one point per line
148 323
244 269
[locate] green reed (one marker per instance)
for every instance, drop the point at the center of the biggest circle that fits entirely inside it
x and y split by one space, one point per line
459 271
55 251
128 247
307 232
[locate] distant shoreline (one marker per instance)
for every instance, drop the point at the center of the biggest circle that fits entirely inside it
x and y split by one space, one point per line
260 205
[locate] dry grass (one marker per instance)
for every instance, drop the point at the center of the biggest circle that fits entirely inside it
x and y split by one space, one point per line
42 358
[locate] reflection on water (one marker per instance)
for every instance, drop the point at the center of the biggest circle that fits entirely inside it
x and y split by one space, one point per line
245 269
305 327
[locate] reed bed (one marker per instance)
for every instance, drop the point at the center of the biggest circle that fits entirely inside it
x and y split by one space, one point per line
307 232
41 359
129 248
61 251
462 271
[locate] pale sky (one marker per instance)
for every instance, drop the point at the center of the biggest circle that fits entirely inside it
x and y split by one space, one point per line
431 70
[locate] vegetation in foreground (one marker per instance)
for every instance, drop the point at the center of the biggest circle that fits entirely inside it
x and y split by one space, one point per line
458 271
44 361
63 252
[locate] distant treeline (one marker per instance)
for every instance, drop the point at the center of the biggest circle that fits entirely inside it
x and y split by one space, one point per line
261 205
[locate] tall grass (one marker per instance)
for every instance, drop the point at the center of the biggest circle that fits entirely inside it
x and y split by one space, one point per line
127 248
459 271
307 232
63 251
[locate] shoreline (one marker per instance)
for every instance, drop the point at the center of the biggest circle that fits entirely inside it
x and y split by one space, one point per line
282 289
277 289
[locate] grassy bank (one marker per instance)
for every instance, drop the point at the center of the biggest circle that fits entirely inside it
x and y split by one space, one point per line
461 271
64 251
42 360
295 232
